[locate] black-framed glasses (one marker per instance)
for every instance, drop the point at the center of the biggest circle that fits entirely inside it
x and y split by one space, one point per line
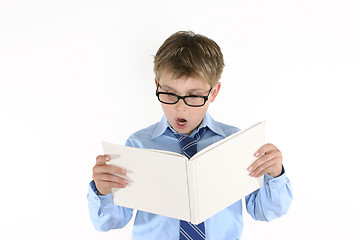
190 100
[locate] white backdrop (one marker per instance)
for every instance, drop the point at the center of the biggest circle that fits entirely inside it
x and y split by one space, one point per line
74 73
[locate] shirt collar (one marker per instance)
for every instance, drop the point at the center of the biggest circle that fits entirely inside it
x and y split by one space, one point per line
214 126
160 128
208 121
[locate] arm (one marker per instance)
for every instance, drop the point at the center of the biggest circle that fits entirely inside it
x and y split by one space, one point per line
273 199
103 213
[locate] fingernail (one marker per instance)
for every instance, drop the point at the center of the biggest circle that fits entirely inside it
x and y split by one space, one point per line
250 168
256 154
252 174
126 181
123 172
107 158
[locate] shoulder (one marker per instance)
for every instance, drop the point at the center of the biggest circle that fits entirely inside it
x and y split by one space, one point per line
222 129
138 138
228 129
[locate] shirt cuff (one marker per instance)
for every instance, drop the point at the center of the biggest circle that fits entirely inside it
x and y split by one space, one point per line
93 193
276 180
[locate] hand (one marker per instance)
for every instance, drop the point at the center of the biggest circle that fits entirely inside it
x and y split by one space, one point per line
269 161
104 177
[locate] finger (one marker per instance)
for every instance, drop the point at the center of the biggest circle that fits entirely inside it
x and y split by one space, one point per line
109 178
274 170
108 185
265 149
261 160
102 159
264 168
109 169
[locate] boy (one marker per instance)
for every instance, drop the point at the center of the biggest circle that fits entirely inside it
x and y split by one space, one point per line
188 68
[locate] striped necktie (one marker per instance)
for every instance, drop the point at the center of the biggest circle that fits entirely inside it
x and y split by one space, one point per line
189 231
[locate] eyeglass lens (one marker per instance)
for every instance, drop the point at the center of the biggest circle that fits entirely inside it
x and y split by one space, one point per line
170 98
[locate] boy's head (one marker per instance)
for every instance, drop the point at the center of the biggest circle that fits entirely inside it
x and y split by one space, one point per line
191 55
188 67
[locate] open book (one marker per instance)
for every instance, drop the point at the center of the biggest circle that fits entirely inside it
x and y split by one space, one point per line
169 184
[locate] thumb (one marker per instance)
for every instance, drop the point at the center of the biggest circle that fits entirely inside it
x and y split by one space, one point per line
102 159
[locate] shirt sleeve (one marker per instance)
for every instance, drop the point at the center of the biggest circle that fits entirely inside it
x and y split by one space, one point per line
272 200
104 214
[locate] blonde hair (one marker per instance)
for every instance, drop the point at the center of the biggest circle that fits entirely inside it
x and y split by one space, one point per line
185 53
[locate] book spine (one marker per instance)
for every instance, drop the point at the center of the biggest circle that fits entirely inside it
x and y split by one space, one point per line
192 186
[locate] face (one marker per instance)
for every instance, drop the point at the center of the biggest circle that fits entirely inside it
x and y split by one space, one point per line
183 118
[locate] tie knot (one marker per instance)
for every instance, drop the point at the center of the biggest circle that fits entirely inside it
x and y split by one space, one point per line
196 138
189 144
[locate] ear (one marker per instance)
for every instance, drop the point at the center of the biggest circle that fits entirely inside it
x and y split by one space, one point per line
214 92
156 82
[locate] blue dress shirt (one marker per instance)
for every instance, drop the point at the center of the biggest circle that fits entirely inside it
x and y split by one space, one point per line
265 204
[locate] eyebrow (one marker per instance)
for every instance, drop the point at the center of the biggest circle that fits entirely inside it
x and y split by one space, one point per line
190 90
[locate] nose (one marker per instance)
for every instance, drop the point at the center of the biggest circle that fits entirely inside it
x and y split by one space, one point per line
180 105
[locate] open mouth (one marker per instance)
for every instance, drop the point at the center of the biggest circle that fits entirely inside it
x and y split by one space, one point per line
181 121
